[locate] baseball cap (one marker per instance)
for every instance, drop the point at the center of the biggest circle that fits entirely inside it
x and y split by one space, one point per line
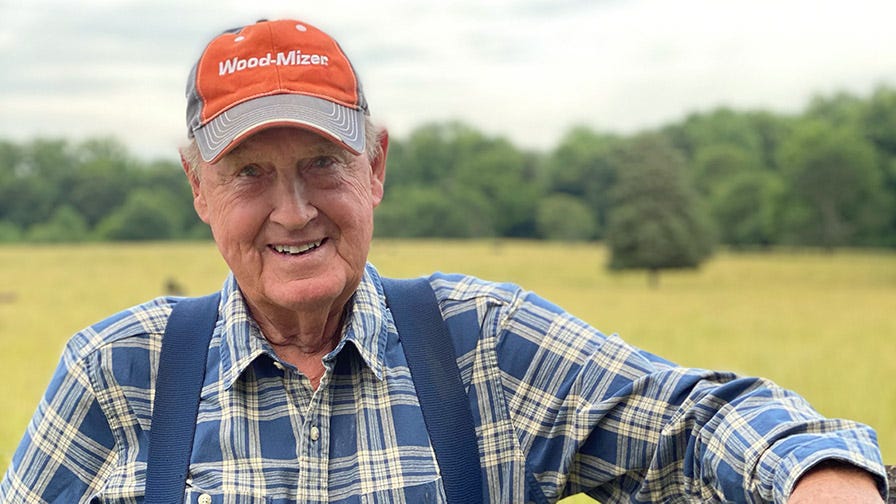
273 73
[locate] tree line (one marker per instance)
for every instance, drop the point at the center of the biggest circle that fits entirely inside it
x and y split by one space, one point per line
823 177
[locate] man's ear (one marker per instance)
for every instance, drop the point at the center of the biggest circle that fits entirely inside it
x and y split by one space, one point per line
378 166
199 202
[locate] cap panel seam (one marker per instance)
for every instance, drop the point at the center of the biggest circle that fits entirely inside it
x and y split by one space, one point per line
270 27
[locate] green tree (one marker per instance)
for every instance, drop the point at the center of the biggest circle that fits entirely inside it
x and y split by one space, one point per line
430 154
746 207
101 179
31 180
655 223
10 159
51 159
66 225
27 200
168 178
834 186
502 177
9 232
581 166
565 217
145 215
771 129
716 164
843 109
474 172
720 126
880 119
880 126
418 212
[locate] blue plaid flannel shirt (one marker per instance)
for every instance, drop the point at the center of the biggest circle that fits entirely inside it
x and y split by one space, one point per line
586 411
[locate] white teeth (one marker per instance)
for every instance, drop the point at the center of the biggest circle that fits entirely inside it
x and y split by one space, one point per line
296 249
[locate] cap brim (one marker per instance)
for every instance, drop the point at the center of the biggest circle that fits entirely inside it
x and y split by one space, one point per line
339 123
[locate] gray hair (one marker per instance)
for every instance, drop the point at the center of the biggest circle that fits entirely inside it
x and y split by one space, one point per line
373 132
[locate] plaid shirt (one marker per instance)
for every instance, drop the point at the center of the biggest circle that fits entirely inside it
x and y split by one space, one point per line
586 411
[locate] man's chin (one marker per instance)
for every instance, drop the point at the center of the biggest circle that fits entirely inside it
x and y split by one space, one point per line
308 294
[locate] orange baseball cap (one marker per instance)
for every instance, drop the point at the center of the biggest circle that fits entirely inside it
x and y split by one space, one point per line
273 73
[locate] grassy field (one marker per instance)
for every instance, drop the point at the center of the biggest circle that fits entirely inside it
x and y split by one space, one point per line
822 324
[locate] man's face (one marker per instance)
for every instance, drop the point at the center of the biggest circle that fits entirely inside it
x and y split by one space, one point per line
292 214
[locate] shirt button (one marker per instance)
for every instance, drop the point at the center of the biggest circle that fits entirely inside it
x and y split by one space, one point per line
315 433
205 499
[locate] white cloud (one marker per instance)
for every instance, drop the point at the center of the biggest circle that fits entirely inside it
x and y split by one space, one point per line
528 69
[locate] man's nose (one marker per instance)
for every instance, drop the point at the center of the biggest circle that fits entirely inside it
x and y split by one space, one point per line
292 206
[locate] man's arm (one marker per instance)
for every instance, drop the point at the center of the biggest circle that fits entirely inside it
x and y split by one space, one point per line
66 446
836 483
643 426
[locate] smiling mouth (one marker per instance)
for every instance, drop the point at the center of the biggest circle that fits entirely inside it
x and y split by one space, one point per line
294 250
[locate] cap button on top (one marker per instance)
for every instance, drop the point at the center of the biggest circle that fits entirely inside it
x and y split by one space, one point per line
205 499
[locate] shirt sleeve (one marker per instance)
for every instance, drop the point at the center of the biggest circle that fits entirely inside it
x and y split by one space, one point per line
599 416
66 445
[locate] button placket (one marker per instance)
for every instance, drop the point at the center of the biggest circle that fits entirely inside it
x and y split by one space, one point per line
315 447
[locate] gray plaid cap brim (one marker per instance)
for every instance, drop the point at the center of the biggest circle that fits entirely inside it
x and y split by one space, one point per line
342 124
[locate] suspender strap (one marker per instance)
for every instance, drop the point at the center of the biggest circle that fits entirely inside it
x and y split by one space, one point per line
178 386
433 364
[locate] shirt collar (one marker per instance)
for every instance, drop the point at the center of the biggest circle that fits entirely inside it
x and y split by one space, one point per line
241 340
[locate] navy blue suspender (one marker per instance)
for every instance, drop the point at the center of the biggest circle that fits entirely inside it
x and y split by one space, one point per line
433 363
178 386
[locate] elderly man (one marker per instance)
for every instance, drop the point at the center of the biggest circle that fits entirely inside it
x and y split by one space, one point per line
306 395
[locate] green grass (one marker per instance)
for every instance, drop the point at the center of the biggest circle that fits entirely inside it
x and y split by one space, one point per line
822 324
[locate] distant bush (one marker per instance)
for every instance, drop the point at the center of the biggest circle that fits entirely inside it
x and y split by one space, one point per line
563 217
143 216
9 232
66 225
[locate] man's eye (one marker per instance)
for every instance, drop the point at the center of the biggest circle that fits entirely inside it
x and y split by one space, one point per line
249 171
323 162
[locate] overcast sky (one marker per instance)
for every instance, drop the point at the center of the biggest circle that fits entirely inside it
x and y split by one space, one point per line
526 69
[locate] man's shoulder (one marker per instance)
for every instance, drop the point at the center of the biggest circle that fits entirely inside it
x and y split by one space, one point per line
459 288
141 325
462 292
